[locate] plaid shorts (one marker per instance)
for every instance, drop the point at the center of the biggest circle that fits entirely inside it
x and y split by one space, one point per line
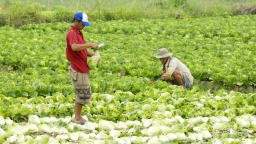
82 88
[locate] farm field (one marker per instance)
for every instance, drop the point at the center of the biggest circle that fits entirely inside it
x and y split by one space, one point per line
37 97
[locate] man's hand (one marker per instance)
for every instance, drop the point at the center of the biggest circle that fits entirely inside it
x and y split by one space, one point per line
98 61
166 76
90 54
163 77
94 46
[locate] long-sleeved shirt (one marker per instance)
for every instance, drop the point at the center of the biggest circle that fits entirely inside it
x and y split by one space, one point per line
175 64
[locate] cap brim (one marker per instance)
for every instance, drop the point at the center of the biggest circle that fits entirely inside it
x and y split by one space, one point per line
163 56
86 24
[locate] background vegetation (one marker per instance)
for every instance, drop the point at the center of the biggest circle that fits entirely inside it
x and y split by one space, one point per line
20 12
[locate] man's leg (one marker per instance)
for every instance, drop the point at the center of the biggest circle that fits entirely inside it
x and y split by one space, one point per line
179 78
83 96
78 111
81 83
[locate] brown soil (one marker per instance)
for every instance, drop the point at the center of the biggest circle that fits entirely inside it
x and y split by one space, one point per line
216 86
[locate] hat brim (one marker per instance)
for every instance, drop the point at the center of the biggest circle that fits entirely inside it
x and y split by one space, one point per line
86 23
163 56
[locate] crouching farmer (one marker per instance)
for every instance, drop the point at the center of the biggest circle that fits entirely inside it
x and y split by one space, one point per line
174 71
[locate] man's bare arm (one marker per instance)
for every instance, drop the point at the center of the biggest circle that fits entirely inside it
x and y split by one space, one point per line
90 54
79 47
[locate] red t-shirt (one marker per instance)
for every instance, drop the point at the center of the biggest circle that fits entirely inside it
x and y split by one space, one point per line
78 59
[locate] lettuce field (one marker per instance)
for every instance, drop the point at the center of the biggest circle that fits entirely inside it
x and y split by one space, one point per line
128 106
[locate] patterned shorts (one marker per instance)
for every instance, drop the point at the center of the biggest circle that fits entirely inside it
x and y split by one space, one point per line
82 88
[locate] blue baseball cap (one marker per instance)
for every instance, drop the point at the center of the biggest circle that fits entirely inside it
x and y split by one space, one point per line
82 17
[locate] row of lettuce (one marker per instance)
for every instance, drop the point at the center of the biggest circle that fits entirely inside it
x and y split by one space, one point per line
218 49
52 130
125 105
152 116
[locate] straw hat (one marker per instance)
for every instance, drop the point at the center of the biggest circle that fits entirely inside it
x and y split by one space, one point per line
162 53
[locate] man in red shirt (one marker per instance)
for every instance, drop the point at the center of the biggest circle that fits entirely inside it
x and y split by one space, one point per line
77 53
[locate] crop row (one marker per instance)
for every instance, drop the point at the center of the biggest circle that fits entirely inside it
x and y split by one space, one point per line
218 49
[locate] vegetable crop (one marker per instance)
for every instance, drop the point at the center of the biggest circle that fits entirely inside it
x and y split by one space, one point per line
37 96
